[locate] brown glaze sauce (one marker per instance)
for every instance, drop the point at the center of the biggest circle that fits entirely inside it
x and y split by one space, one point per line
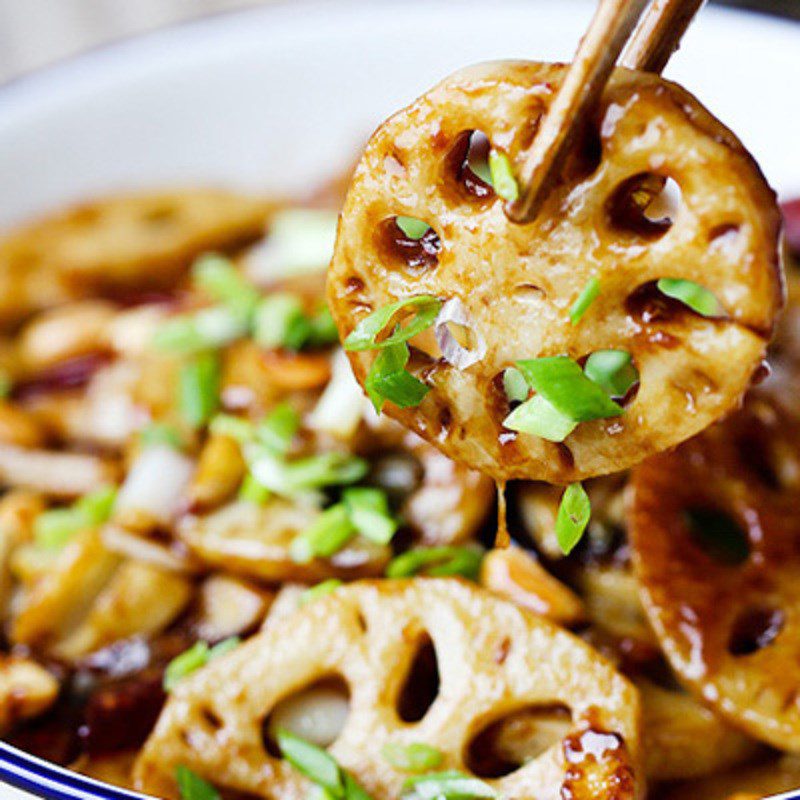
598 765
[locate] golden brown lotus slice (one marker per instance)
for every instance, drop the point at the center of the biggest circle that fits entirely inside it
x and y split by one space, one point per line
517 283
492 659
715 529
121 244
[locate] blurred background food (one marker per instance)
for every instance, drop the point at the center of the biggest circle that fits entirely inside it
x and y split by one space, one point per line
34 33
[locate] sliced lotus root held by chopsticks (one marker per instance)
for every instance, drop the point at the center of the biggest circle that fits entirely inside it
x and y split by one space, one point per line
517 283
492 660
715 530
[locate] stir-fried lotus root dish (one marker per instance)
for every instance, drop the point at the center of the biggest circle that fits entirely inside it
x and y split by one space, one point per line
256 539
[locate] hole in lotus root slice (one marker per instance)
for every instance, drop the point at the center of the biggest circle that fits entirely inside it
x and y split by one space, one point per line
693 369
504 745
404 251
316 713
467 166
727 625
467 627
421 685
644 205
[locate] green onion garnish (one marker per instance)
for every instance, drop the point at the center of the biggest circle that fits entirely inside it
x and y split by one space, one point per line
388 379
220 279
312 761
160 433
278 429
612 370
251 491
437 561
691 294
6 384
192 787
312 472
540 418
412 227
561 382
319 590
197 656
450 785
54 528
366 333
328 534
96 507
323 329
588 295
503 179
281 322
414 757
236 428
206 329
515 385
369 512
573 517
198 388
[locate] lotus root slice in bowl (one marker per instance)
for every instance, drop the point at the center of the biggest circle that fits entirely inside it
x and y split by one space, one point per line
715 530
517 283
492 659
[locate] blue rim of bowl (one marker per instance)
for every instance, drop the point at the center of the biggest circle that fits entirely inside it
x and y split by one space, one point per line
44 779
19 769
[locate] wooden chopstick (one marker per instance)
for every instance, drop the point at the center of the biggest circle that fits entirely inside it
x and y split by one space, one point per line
610 29
659 33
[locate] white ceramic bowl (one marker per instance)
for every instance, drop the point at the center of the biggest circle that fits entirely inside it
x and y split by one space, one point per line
282 97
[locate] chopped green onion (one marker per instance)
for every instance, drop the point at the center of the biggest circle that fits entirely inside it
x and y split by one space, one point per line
562 383
437 561
278 429
540 418
388 379
319 590
366 333
208 328
312 472
199 389
96 507
192 787
6 384
502 174
369 512
412 227
281 322
184 664
312 761
236 428
160 433
573 517
218 277
450 785
515 385
588 295
612 370
54 528
328 534
251 491
323 329
414 757
691 294
353 790
224 647
197 656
